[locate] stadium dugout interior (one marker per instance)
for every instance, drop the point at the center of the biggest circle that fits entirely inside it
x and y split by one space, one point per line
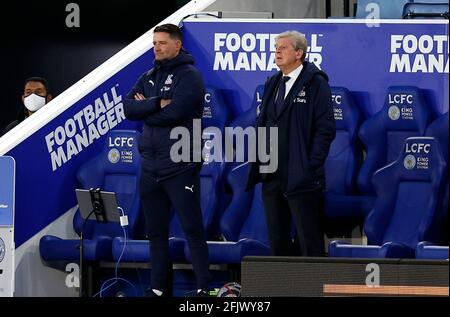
390 82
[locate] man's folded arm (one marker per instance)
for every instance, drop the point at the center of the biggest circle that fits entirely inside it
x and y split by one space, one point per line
139 109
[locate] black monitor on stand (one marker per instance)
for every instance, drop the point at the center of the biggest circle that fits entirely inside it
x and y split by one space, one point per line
96 205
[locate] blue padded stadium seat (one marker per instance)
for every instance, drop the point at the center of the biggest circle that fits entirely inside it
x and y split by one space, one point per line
404 114
343 208
242 219
422 10
248 117
388 9
216 114
406 209
439 129
430 251
243 224
244 120
346 153
115 169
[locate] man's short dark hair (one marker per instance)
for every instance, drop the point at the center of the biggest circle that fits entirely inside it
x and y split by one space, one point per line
173 30
41 80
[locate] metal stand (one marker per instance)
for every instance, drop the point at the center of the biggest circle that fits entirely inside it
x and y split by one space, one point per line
99 210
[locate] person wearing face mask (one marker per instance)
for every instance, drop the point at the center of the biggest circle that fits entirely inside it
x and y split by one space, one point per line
36 94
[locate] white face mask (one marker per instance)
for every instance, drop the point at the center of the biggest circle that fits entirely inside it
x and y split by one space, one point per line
34 102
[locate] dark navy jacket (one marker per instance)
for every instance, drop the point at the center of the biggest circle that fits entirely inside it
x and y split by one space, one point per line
178 80
308 128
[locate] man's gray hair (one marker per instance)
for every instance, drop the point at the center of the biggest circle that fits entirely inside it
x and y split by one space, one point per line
300 41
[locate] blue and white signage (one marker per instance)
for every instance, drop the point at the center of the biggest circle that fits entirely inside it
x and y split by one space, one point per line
238 56
7 177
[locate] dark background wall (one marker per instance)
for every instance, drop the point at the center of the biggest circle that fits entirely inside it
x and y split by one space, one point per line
35 41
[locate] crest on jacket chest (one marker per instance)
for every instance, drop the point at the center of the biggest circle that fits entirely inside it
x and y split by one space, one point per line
168 80
301 96
167 83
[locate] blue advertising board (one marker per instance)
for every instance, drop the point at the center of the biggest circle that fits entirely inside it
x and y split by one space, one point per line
237 56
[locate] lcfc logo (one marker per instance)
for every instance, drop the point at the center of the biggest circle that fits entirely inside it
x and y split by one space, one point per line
394 112
113 156
409 162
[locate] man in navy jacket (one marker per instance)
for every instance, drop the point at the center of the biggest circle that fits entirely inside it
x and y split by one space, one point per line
297 101
169 95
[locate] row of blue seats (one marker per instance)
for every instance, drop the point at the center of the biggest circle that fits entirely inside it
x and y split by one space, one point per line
364 145
122 178
243 217
396 224
408 207
105 241
398 9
